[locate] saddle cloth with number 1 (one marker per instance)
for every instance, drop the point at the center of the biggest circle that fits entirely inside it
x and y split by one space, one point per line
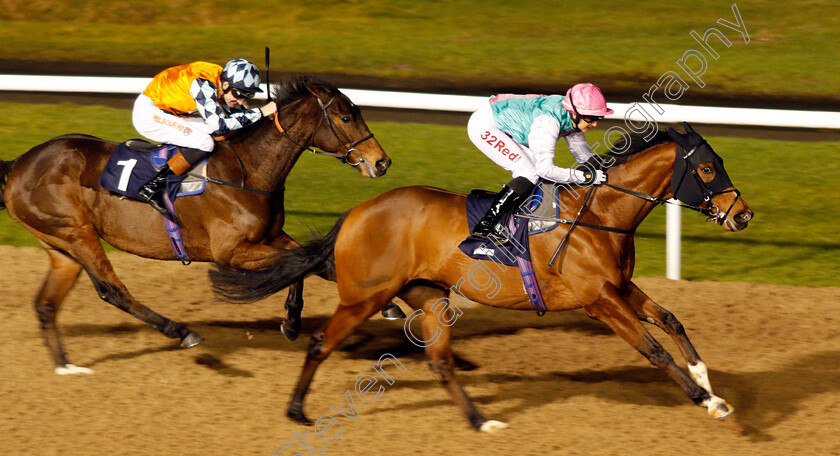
135 162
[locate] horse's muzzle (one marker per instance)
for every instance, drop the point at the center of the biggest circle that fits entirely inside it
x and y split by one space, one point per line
739 221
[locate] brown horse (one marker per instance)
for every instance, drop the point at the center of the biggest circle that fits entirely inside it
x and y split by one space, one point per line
52 190
405 243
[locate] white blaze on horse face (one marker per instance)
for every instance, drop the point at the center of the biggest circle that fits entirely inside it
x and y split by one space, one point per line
701 375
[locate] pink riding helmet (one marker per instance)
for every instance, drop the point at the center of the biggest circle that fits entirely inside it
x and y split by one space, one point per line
586 100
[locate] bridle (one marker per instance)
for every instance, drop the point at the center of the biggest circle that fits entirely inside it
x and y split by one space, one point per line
349 146
707 190
706 207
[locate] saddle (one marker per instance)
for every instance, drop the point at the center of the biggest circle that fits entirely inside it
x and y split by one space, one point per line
539 211
136 161
537 214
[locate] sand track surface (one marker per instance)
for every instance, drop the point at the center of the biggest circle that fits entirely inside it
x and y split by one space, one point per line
564 383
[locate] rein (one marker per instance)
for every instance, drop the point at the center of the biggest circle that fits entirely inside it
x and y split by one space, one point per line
575 223
241 185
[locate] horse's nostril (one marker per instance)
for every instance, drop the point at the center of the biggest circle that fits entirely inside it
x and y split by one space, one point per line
744 217
383 164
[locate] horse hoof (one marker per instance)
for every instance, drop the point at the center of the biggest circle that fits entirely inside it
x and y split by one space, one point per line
719 408
290 330
191 340
393 312
70 369
491 426
297 415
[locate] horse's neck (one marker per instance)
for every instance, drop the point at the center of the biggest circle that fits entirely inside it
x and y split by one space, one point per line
649 172
269 157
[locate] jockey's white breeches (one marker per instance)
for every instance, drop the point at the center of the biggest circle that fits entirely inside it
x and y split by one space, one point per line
161 126
499 146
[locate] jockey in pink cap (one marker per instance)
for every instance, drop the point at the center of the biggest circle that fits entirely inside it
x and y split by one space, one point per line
519 133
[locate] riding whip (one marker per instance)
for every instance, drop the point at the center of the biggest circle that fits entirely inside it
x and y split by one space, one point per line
267 84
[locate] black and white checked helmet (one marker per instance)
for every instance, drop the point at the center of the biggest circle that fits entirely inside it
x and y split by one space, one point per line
243 75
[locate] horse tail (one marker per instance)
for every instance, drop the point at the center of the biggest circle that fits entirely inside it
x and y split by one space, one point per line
292 267
5 169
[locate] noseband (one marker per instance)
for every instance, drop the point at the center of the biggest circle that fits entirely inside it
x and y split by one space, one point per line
349 146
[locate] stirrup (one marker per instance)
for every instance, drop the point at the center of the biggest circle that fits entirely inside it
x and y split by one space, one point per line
493 236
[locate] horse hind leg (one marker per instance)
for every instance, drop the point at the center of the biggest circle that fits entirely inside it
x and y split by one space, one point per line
112 291
651 312
87 250
345 320
616 313
437 335
62 275
294 304
391 311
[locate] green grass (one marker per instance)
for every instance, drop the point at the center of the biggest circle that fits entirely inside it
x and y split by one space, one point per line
791 186
494 44
490 43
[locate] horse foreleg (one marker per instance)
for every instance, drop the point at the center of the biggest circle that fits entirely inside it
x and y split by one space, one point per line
437 343
63 273
345 320
648 310
615 312
250 255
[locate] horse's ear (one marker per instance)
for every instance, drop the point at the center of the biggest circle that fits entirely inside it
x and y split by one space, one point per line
688 129
676 136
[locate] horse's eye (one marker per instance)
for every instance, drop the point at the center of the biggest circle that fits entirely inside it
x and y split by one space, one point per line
346 119
707 170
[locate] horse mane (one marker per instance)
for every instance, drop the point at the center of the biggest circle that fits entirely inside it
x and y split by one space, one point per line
286 92
637 144
296 87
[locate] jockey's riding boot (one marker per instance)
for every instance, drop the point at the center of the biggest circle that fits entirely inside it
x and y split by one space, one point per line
152 191
489 227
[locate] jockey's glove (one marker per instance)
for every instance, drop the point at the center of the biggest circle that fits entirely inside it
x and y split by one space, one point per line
586 176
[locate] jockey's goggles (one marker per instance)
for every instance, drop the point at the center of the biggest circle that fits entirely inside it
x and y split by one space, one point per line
241 94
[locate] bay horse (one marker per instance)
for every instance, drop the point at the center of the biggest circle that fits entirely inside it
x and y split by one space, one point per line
52 190
405 243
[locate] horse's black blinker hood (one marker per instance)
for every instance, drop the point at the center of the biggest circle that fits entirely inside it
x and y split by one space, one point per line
686 184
